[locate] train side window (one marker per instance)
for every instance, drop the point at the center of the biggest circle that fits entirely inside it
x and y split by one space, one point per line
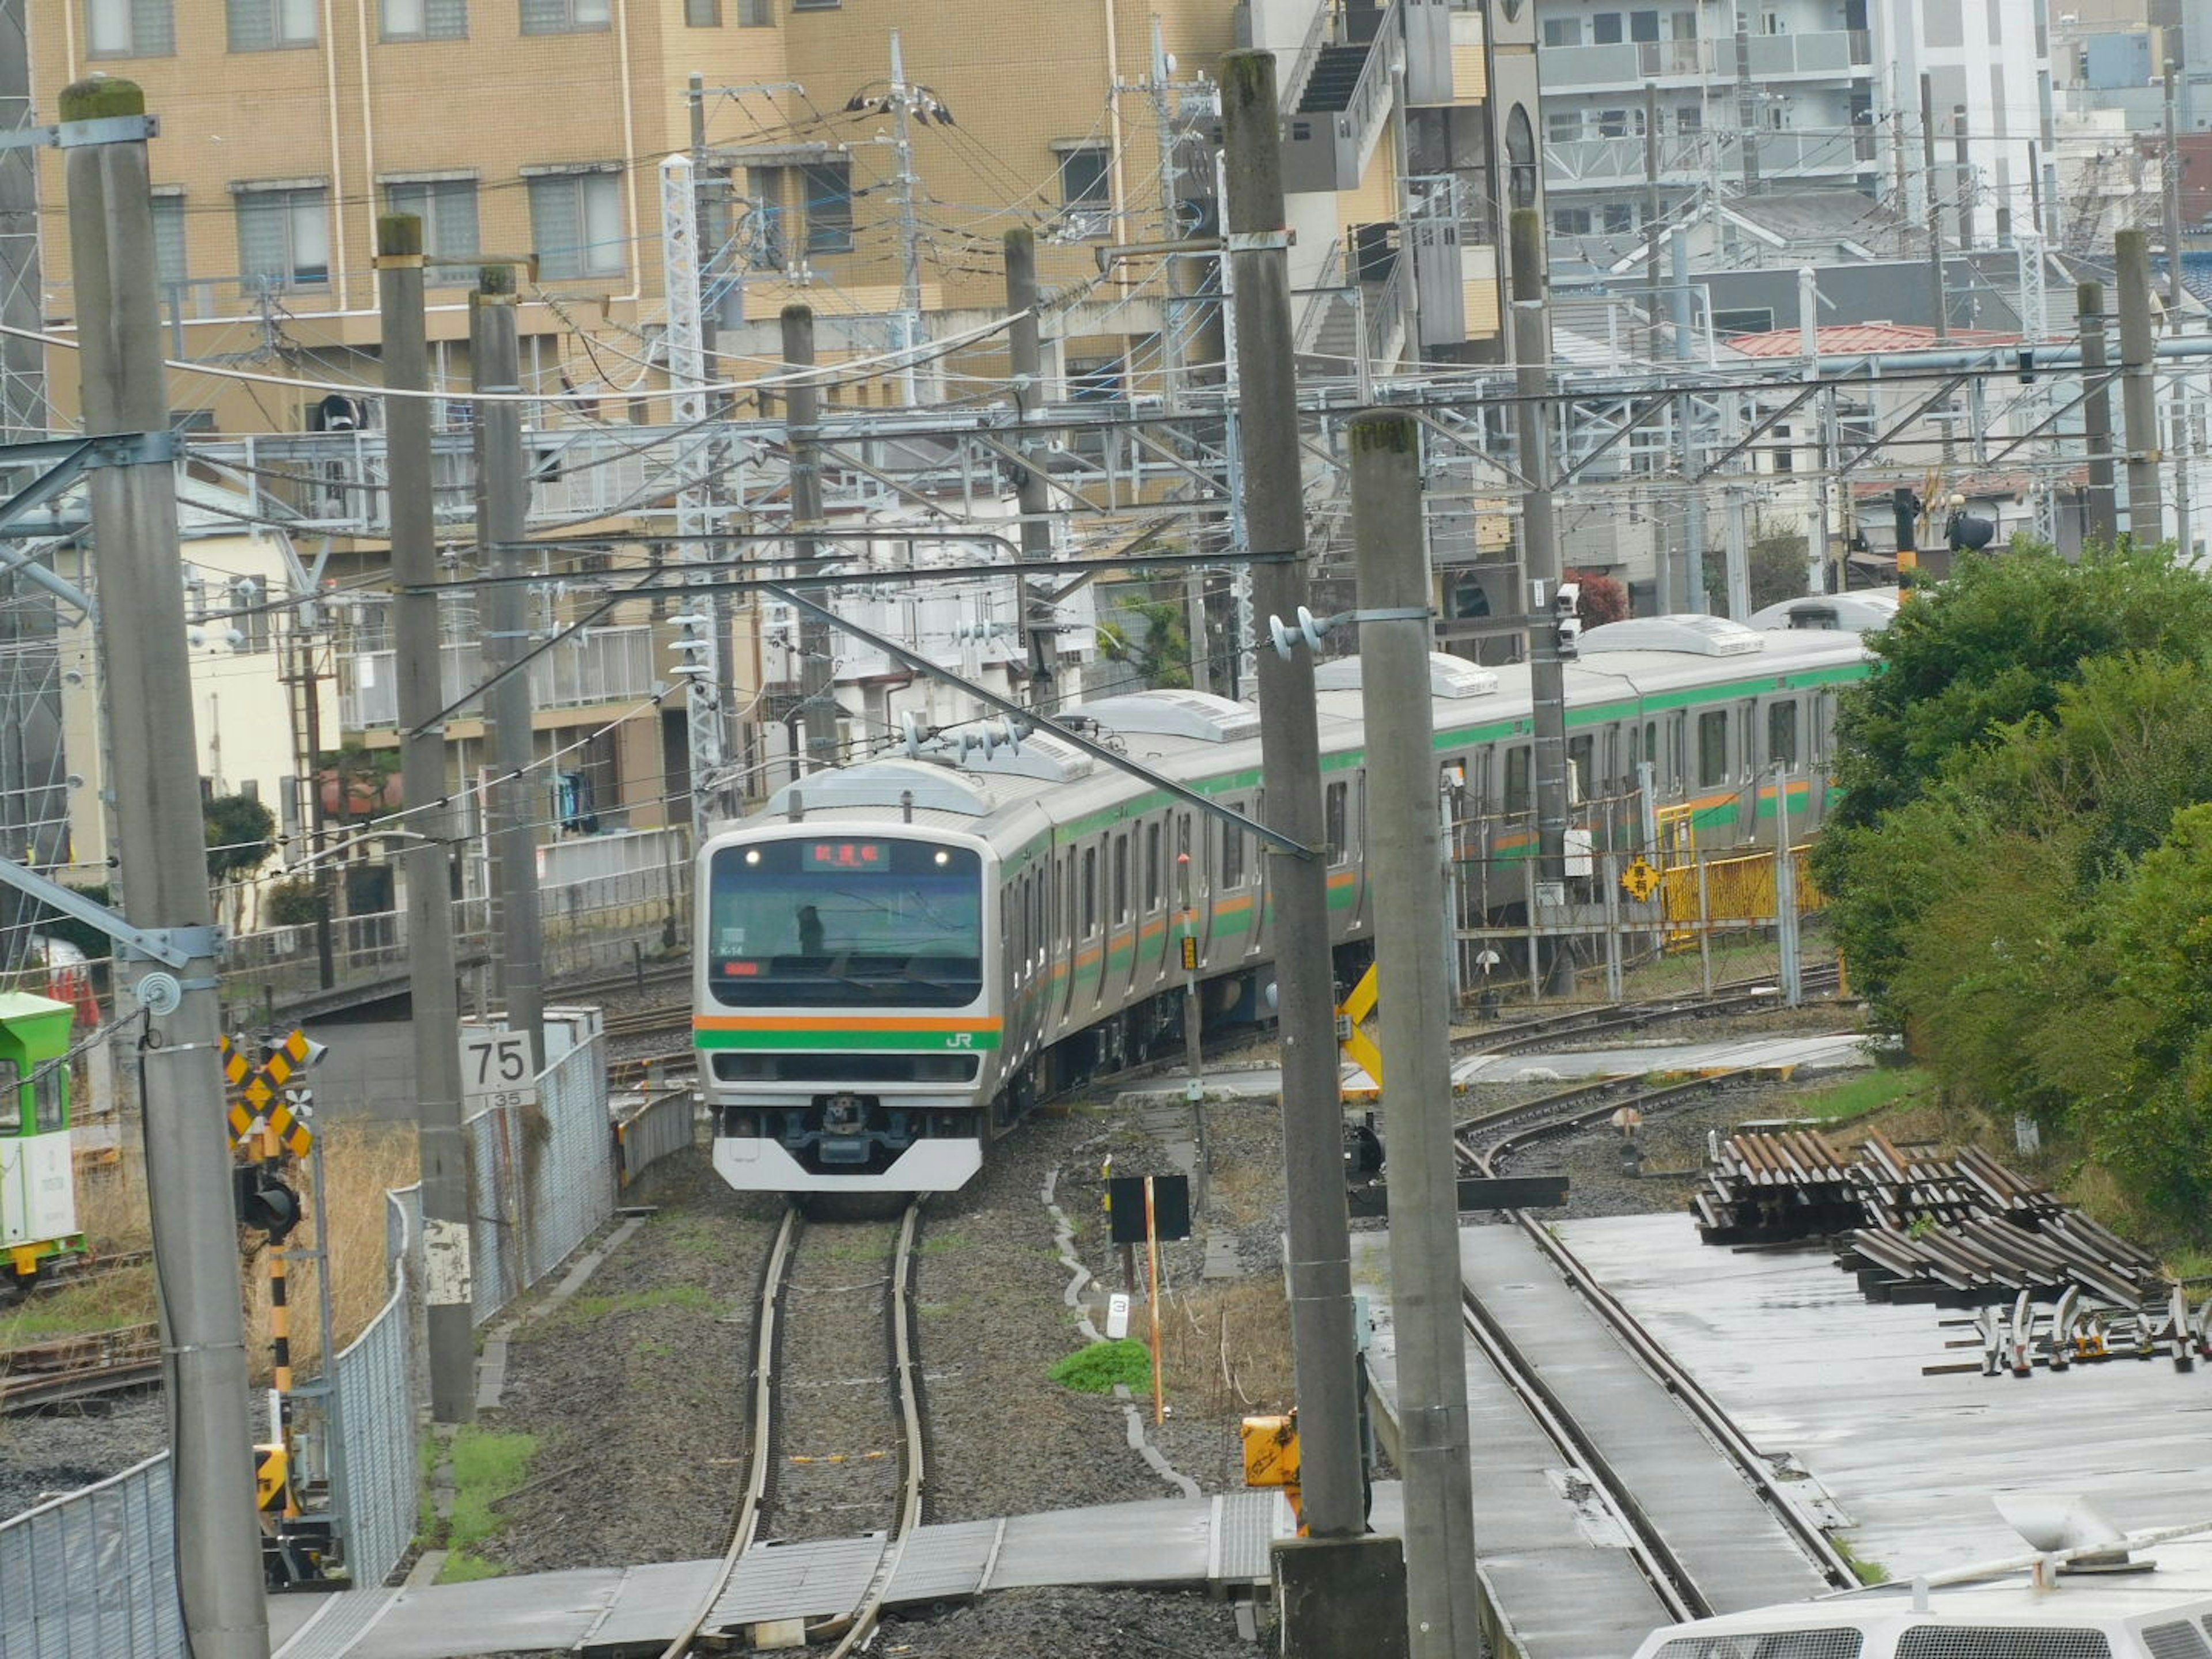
1039 932
50 1097
1121 878
1058 921
1517 779
1232 853
1335 804
1824 724
1152 866
1747 725
1712 748
11 1099
1089 891
1678 748
1782 734
1652 752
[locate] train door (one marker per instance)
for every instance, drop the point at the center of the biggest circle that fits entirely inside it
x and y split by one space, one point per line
1123 938
1192 896
1090 935
1153 952
1256 865
1346 900
1233 900
1064 930
1750 774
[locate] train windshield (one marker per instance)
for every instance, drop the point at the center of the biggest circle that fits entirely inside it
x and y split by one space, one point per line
845 922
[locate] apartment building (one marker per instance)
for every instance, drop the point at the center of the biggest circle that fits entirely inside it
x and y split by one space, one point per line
1755 96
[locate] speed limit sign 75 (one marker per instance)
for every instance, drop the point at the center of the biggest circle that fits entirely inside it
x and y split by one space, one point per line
496 1069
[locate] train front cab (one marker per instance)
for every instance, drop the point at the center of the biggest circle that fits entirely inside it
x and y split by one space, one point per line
38 1181
845 1012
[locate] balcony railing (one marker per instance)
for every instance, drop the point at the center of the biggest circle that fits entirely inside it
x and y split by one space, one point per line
1848 52
1616 163
593 665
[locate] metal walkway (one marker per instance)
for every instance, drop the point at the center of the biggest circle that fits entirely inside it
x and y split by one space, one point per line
1221 1541
1554 1558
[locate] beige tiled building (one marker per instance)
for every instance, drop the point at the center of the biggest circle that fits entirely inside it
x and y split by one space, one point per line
537 126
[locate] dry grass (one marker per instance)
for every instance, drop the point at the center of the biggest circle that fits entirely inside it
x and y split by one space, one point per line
1226 1347
361 1160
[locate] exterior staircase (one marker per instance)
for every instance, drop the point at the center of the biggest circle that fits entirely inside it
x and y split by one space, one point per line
1335 77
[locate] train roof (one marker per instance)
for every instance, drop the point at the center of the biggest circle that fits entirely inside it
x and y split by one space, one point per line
988 774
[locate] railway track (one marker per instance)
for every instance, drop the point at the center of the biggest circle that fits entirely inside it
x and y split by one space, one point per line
1484 1142
824 1459
79 1367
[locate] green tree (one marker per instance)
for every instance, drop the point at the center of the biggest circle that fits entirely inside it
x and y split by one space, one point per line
239 831
1994 644
1774 565
1152 638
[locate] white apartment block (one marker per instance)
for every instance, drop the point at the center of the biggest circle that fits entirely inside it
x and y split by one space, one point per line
1759 95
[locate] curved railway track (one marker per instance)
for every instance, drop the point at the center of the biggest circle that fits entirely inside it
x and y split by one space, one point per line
80 1367
1486 1141
789 1413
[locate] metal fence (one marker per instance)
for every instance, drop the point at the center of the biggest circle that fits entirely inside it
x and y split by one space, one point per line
93 1575
373 1441
667 1124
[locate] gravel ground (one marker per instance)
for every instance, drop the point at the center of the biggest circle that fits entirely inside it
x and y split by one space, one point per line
636 1391
45 1454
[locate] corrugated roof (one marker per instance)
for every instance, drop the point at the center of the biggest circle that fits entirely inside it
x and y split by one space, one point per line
1850 339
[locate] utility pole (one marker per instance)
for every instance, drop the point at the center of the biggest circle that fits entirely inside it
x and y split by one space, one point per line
502 506
1962 170
1934 212
710 240
802 418
1406 847
1654 231
1747 102
2172 193
448 1271
910 233
1319 1575
1173 314
2097 415
1540 570
1693 451
162 850
1026 359
2138 387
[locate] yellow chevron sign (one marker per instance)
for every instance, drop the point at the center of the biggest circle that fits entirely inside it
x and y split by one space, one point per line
257 1089
1358 1048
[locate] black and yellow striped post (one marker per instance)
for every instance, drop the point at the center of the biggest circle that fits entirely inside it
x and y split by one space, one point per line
280 1332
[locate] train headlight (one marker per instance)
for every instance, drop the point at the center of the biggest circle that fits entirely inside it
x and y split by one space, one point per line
944 857
752 855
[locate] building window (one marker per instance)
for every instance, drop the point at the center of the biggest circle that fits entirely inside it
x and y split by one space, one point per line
755 14
169 263
250 620
426 19
285 236
815 5
1563 31
447 209
829 206
703 14
764 234
1085 190
130 28
576 224
271 25
1605 28
1644 26
1564 126
563 16
1689 118
1571 220
1619 217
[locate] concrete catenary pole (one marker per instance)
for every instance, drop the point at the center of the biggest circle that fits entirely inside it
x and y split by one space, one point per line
1025 356
1693 451
1274 523
1962 174
165 883
502 504
2096 414
1540 562
1934 212
802 416
2138 387
1404 848
2170 166
448 1269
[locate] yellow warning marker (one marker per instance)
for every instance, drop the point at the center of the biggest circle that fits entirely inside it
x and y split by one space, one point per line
1358 1048
1640 879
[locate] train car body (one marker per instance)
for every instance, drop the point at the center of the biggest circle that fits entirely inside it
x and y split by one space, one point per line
38 1180
895 959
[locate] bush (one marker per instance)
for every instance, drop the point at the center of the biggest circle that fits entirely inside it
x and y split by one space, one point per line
1096 1368
290 903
